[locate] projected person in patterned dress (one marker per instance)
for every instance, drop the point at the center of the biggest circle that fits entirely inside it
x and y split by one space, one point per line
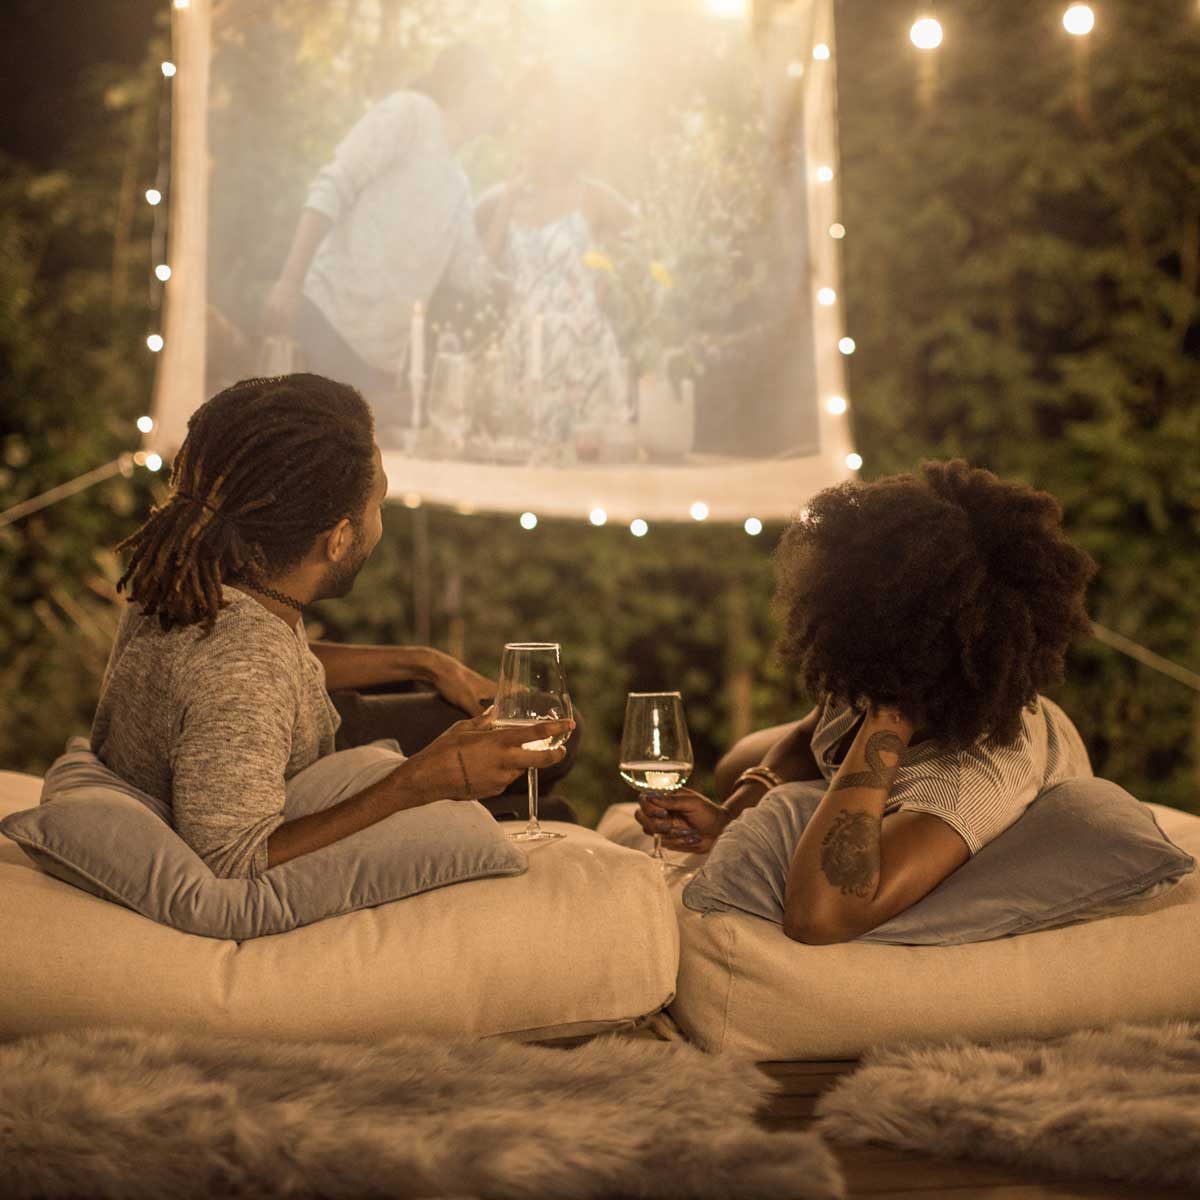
542 227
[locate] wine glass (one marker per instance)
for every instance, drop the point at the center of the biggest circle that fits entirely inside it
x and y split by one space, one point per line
656 752
532 688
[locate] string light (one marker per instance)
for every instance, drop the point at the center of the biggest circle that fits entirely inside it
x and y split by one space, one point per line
753 526
182 3
153 196
528 520
699 510
145 424
168 69
926 34
155 342
826 296
853 461
638 527
846 345
837 230
412 499
824 174
836 405
821 52
162 272
1079 20
597 516
729 9
153 461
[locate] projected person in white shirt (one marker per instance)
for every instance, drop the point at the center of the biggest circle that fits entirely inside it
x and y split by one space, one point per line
386 221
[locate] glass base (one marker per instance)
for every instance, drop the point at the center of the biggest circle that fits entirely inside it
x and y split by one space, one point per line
539 835
671 868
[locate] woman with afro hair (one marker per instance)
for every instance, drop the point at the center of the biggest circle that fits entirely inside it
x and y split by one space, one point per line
925 613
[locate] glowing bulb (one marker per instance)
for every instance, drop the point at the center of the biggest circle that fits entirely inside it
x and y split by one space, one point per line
821 52
837 230
638 527
412 499
153 462
162 272
853 461
145 424
836 405
528 520
730 9
846 345
926 34
155 342
824 174
753 526
168 69
139 458
1079 19
182 3
827 296
153 196
795 70
597 516
699 510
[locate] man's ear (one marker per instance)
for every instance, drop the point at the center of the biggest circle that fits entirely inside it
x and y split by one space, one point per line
338 541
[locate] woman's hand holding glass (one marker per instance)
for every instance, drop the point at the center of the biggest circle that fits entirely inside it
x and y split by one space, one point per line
686 820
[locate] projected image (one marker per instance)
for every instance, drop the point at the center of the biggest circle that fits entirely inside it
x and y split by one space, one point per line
531 233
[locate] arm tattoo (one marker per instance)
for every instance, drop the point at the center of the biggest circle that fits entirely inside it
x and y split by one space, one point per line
466 778
850 853
878 773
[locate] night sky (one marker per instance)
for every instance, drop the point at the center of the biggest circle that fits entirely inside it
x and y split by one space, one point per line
47 44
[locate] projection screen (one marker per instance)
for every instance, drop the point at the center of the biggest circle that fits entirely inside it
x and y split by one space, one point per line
577 254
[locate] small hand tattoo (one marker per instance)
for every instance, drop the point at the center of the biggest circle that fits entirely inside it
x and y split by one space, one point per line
466 778
850 853
878 773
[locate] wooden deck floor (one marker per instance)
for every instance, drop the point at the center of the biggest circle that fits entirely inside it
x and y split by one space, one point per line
884 1174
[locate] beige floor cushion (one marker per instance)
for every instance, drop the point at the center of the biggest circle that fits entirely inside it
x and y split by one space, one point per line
745 988
585 941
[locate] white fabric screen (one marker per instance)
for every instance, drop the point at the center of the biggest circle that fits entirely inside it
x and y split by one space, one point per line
575 254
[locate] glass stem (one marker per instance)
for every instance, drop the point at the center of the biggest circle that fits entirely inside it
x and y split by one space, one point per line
532 774
657 847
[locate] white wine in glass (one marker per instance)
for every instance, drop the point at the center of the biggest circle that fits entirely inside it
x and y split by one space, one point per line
656 752
532 688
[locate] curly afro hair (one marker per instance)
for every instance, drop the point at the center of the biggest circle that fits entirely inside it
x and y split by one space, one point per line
949 593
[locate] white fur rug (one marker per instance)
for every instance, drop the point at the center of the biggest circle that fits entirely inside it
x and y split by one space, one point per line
1119 1103
132 1114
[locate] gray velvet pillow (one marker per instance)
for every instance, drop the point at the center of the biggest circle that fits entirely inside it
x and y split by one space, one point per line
97 832
1083 849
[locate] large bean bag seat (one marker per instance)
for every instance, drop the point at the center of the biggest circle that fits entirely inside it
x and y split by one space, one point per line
747 989
584 941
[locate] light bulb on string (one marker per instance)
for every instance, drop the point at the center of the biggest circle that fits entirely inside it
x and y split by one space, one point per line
412 500
699 511
853 461
827 297
153 196
821 52
753 526
1079 20
837 230
824 174
846 345
162 272
638 527
168 69
153 461
731 10
155 342
528 520
926 34
145 424
182 3
597 516
836 405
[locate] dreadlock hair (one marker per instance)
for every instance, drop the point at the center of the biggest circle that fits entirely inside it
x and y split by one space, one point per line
948 592
266 465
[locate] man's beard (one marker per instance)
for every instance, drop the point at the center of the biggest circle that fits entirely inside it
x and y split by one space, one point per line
339 578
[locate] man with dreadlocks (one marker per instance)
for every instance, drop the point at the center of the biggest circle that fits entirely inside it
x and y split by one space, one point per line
213 697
